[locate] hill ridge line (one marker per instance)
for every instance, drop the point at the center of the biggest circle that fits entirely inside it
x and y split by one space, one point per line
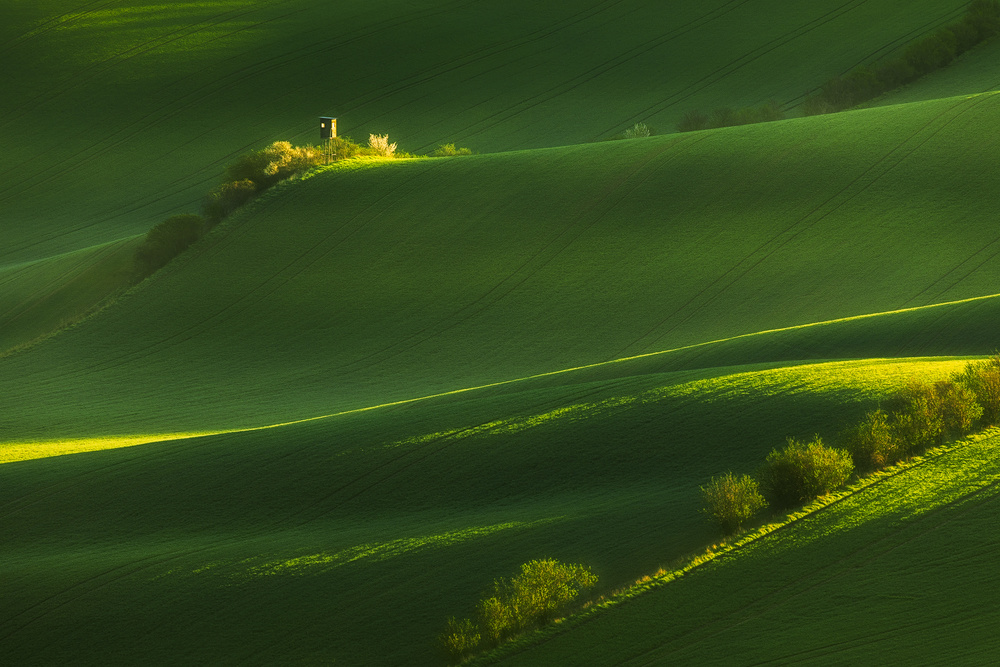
77 445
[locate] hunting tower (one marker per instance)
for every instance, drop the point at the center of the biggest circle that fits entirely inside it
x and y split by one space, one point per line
328 132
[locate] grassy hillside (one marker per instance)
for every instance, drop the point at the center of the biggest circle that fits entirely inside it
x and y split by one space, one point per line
353 538
903 571
975 72
37 298
117 114
384 281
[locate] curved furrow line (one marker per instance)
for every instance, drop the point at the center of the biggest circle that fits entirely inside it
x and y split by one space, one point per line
143 125
818 577
799 229
95 69
64 232
91 584
886 49
767 248
734 66
493 120
55 22
252 296
421 453
580 223
54 284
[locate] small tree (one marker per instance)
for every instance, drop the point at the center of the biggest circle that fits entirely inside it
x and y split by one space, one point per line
917 416
529 599
449 150
460 639
983 379
273 163
637 131
692 120
379 144
226 198
873 443
167 240
803 471
959 409
731 501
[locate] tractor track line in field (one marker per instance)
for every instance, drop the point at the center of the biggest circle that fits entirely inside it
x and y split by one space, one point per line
590 215
887 48
735 65
254 295
103 145
777 598
766 249
736 550
503 115
56 22
417 455
135 567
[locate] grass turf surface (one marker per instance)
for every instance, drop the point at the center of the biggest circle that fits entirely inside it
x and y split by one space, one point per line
117 114
901 571
384 281
352 538
375 283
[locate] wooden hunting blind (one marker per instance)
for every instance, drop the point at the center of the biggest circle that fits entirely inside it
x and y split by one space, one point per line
327 127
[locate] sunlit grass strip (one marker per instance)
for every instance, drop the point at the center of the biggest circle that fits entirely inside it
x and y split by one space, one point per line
381 551
25 451
805 377
663 576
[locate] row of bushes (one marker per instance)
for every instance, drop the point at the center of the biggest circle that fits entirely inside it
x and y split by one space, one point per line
980 22
251 174
526 601
922 415
729 117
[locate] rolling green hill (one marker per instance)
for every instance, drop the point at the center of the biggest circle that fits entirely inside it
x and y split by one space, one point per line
352 538
116 114
385 281
975 72
901 572
332 422
678 259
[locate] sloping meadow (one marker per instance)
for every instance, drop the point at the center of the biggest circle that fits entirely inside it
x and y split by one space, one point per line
117 115
353 538
383 281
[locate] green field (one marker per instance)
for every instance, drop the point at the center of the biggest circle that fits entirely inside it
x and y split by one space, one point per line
899 572
332 422
116 114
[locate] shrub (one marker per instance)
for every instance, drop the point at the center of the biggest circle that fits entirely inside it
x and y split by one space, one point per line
980 22
918 416
460 639
344 148
449 150
983 16
874 442
544 587
226 198
959 409
637 131
693 120
379 145
724 117
527 600
930 53
731 501
803 471
167 240
982 378
894 73
274 163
